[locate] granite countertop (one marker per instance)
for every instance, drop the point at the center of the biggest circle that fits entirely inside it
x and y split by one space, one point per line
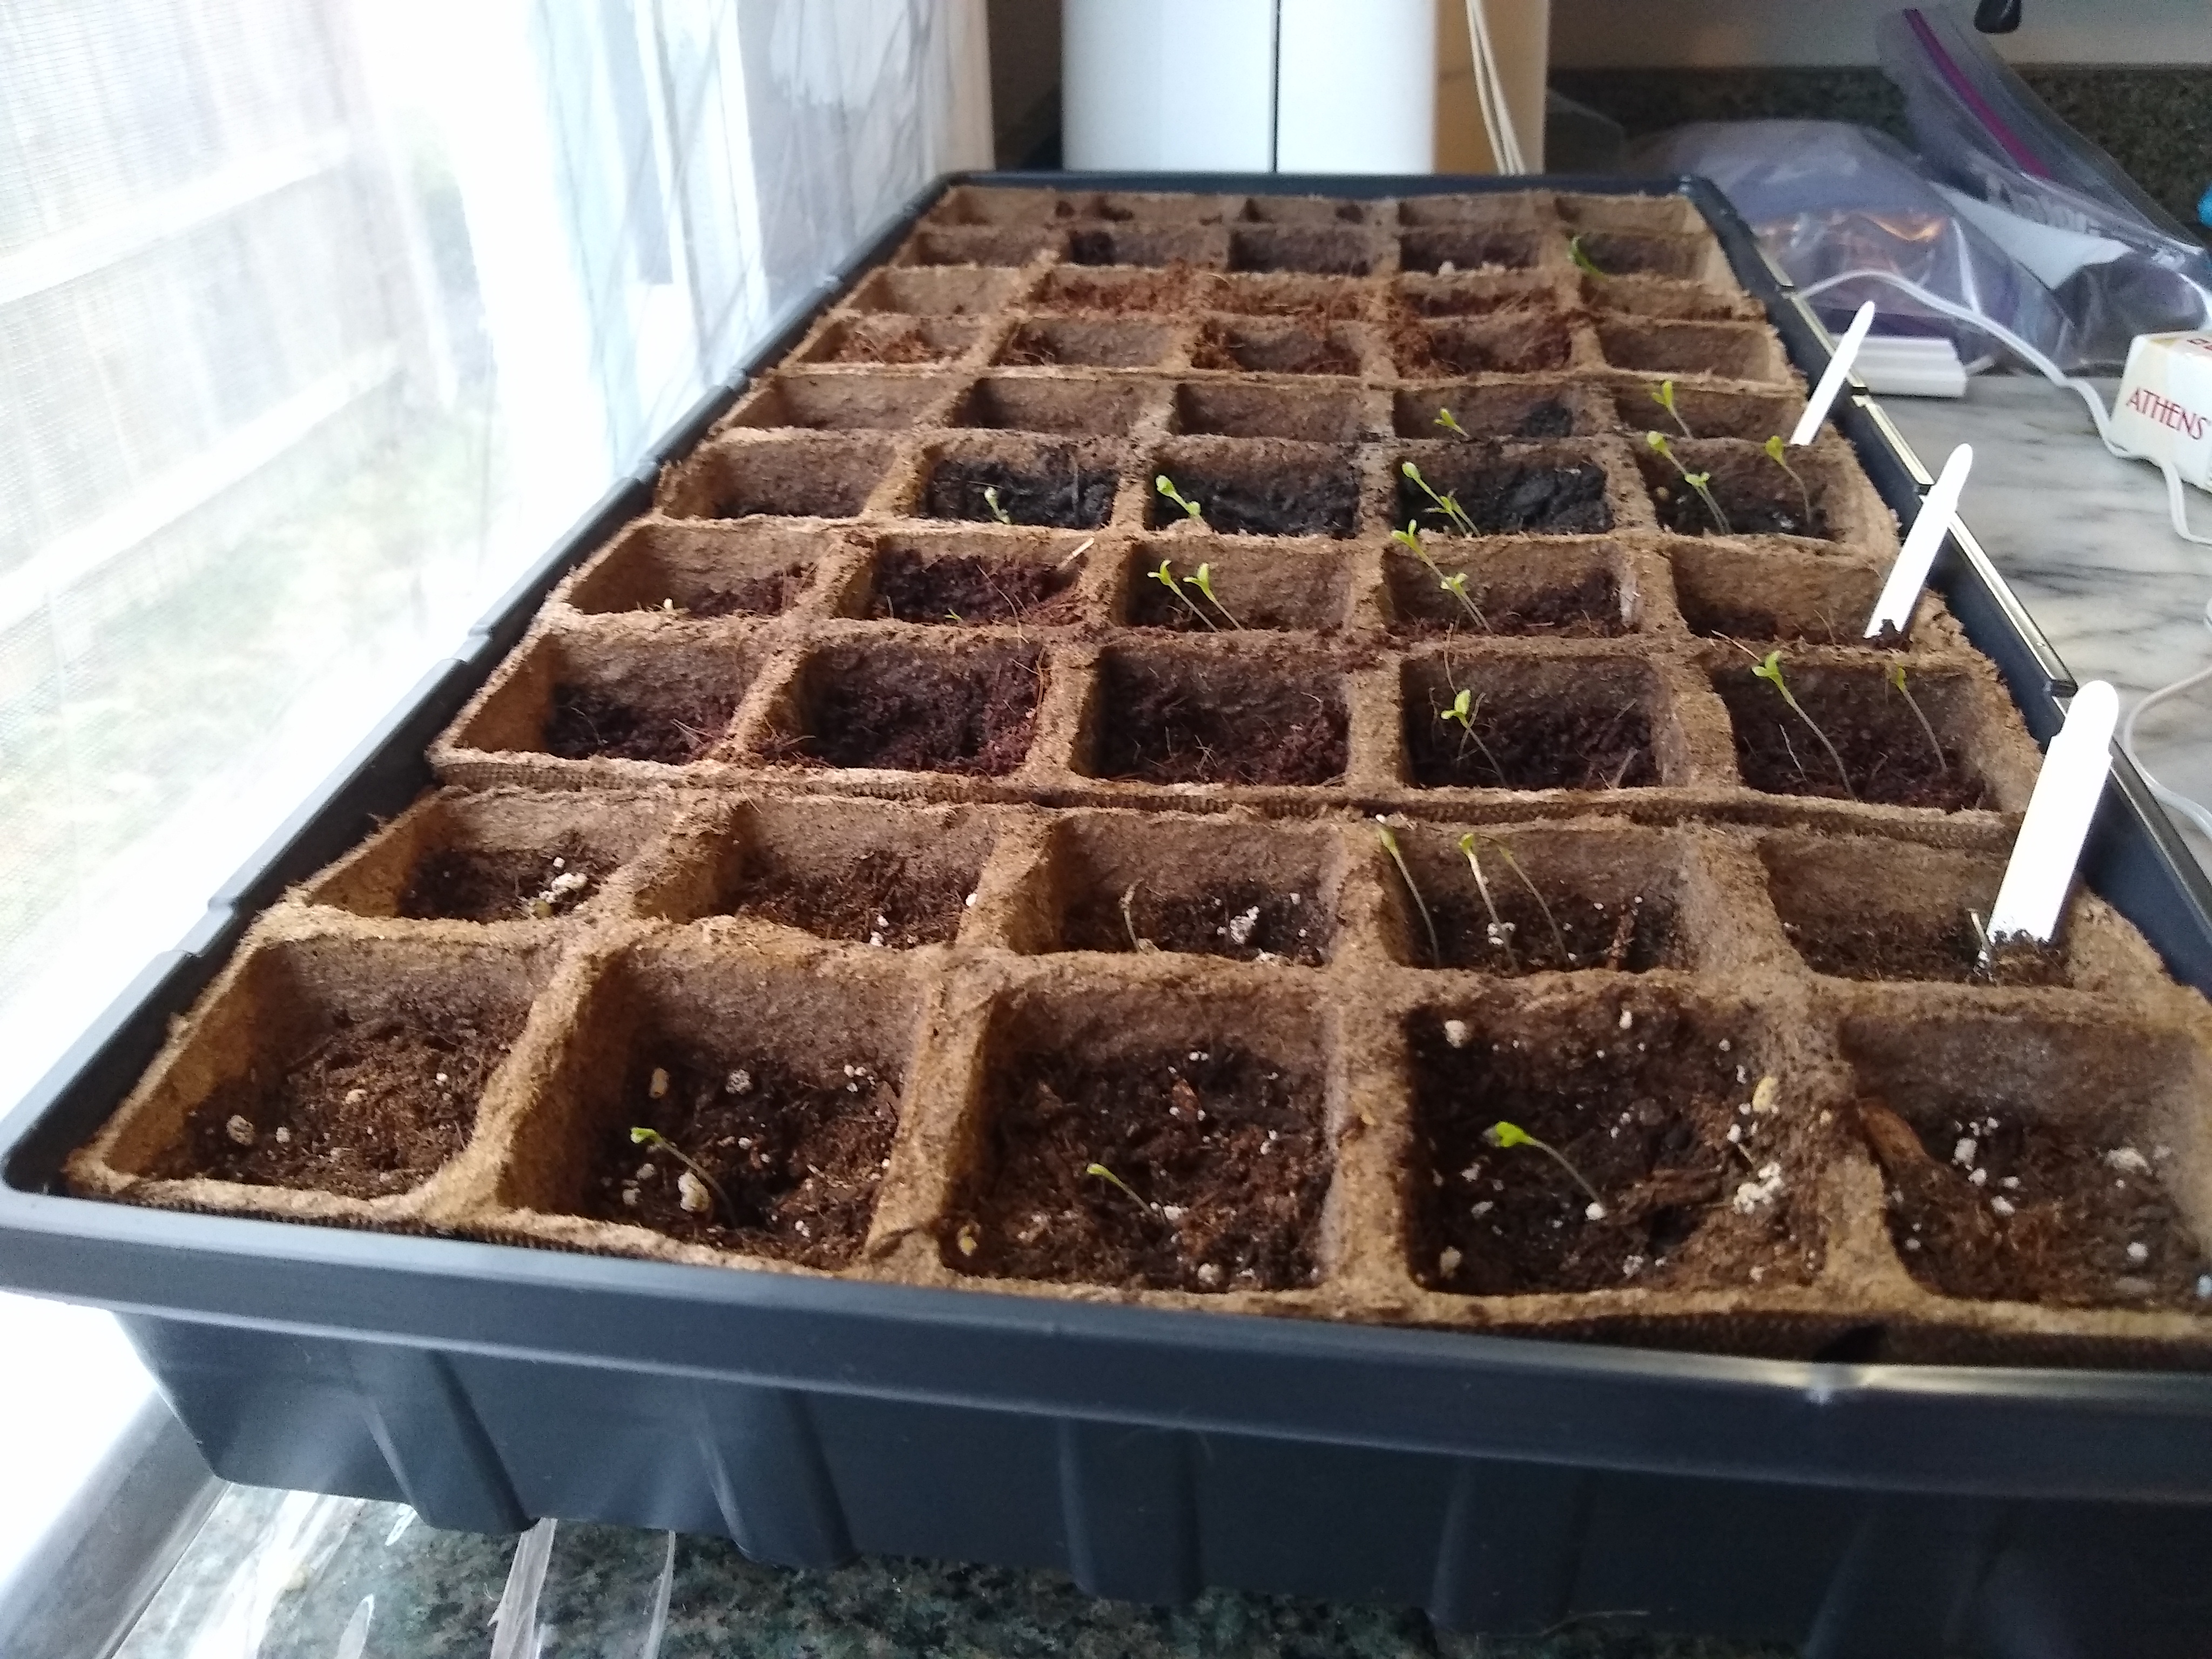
2082 537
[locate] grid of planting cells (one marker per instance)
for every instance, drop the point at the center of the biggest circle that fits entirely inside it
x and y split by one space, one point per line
1288 754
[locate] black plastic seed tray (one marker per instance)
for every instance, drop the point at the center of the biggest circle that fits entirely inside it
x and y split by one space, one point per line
1501 1483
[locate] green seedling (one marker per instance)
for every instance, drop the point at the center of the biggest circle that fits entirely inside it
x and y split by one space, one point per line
1203 581
1501 931
1464 708
641 1136
1449 422
1773 448
1165 485
1390 846
1410 540
1559 938
1770 671
1106 1175
1456 586
1583 263
1504 1136
1664 395
1896 677
1447 503
991 501
1700 482
1166 576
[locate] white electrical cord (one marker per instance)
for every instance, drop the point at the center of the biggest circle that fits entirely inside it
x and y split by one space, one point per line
1490 93
2177 500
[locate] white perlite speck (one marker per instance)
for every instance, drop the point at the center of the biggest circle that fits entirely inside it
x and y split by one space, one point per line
1627 1019
1447 1263
2138 1253
239 1129
1455 1033
691 1193
1208 1274
1963 1153
1484 1207
738 1083
2128 1161
2001 1205
1240 927
1593 1213
657 1085
1753 1196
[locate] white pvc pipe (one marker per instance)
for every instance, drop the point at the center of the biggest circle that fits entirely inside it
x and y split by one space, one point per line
1169 85
1356 87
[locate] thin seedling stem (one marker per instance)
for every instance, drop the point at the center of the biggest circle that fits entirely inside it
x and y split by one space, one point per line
1203 581
1501 931
1106 1175
1935 743
1449 422
1390 846
1137 943
1700 482
641 1136
1165 485
1166 576
991 501
1447 503
1664 395
1770 671
1583 263
1774 453
1559 938
1502 1135
1464 708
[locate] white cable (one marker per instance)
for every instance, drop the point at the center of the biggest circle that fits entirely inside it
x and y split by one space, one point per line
2176 500
1490 93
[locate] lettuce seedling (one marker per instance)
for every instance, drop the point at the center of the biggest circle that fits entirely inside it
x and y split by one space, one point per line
1773 450
1106 1175
1583 263
1203 581
1165 485
1500 932
1410 540
1390 846
991 501
1447 503
1770 671
1166 576
1700 482
641 1136
1559 938
1935 743
1664 395
1449 422
1464 708
1504 1135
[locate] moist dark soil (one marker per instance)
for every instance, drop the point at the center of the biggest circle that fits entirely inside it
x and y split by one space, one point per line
1222 1155
1549 419
1895 948
374 1108
1531 743
1750 625
881 897
1531 341
1586 609
1750 509
905 343
1289 504
960 588
1159 728
486 883
1508 499
755 596
1124 294
1104 247
797 1159
1314 252
1273 351
917 717
1643 1115
586 722
1061 493
1885 753
1245 921
2078 1201
1630 938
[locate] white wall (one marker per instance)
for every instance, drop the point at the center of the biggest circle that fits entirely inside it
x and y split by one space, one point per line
1715 34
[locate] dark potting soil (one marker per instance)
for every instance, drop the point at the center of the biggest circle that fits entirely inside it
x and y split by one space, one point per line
504 883
754 596
1630 938
1885 753
905 343
1245 921
1891 947
1273 351
1062 492
1642 1113
1159 728
1509 499
1549 419
1221 1161
586 722
1751 508
917 717
1287 504
2059 1215
792 1163
1123 293
1541 343
374 1107
1586 609
960 588
880 897
1749 625
1531 743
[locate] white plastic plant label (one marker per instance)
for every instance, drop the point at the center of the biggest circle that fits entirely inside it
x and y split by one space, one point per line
1922 542
2164 409
2056 822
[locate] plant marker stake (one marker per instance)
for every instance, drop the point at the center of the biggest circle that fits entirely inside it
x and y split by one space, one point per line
2067 791
1910 574
1832 379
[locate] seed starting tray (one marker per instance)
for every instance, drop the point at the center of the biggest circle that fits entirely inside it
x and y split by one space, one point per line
817 649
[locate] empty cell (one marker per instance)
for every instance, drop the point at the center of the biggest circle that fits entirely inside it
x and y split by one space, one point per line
1021 484
890 339
1250 588
2053 1159
696 572
968 581
1305 210
1077 407
1651 215
1581 723
1211 717
1630 1158
1520 341
1847 733
1129 883
1734 351
935 291
1536 495
963 205
725 1102
1311 300
1464 211
1275 349
836 402
1114 292
976 245
1661 296
1141 245
1626 253
1232 410
1494 411
1475 295
785 478
886 708
1856 908
1159 207
1085 342
1324 253
1474 590
1472 246
1764 599
1744 491
591 696
1205 1112
1529 901
1249 490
